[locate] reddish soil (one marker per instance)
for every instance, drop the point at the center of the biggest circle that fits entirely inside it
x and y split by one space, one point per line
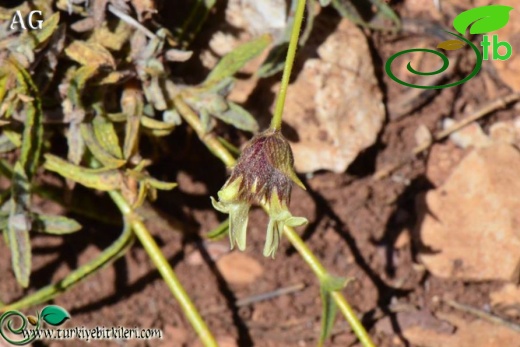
359 227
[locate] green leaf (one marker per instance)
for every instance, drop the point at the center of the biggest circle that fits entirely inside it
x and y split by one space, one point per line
78 81
33 128
332 283
238 117
132 104
485 19
19 225
101 179
451 45
195 20
236 59
220 231
328 315
49 26
275 60
56 225
54 315
6 145
90 54
329 308
107 136
325 2
348 10
97 150
161 185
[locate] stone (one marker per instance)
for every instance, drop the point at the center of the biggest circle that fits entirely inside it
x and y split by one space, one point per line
335 105
470 224
239 268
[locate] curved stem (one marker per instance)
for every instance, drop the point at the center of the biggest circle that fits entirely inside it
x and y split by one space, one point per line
165 270
276 122
49 292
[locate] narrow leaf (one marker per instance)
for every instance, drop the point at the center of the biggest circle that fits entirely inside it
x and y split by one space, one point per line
19 225
101 179
132 104
49 26
236 59
6 145
237 116
107 136
161 185
108 161
220 231
155 124
57 225
328 315
329 308
90 54
33 127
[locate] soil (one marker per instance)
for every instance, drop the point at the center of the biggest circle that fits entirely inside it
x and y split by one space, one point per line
360 228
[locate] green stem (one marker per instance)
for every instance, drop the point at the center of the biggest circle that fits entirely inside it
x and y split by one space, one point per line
49 292
165 270
276 122
321 273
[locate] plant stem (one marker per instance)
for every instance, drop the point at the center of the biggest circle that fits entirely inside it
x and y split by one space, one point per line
165 270
49 292
321 273
276 122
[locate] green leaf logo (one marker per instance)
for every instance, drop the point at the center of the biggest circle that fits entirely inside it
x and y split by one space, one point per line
485 19
54 315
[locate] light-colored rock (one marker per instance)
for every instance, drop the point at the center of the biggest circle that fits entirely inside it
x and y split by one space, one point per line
335 104
443 157
239 268
505 132
471 135
477 333
508 295
509 70
471 222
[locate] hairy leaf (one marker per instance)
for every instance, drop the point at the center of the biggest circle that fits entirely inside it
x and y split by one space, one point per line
237 116
90 54
236 59
97 150
33 127
132 105
57 225
107 136
19 225
101 179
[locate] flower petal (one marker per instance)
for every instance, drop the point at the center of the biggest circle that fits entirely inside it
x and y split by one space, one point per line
219 206
272 239
238 217
230 191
